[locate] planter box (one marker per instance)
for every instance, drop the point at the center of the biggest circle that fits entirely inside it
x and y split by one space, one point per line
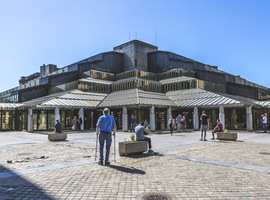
226 136
57 136
128 148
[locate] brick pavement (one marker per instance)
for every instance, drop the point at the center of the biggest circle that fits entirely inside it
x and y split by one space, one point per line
206 170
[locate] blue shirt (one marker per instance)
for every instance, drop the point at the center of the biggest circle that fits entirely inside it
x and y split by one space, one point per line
139 131
106 123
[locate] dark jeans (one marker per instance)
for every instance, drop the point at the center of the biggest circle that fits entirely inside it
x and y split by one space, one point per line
132 126
102 138
264 127
148 140
171 127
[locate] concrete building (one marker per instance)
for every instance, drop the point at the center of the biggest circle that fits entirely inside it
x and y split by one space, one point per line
135 78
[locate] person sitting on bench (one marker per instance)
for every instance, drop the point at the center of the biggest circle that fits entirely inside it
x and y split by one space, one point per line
140 132
218 128
58 127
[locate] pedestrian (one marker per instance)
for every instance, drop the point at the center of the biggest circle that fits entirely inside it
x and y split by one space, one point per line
106 126
140 131
264 123
178 122
171 123
146 125
204 125
132 123
58 127
184 123
218 128
80 123
74 123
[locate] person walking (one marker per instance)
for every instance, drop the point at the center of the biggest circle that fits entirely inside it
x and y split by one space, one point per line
74 123
204 125
140 131
171 122
264 123
132 123
178 121
106 126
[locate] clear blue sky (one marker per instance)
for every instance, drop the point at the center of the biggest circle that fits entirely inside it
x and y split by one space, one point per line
232 34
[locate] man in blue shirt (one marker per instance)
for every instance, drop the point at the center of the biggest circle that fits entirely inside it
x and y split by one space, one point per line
107 127
140 132
58 127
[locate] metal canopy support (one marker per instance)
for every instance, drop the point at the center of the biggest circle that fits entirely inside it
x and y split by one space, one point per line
30 124
169 113
81 114
152 119
222 116
56 114
125 120
196 119
249 119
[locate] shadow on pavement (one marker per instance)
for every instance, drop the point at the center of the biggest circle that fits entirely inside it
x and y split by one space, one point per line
144 155
131 170
13 186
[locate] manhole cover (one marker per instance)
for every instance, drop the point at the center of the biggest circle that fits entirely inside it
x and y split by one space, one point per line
156 196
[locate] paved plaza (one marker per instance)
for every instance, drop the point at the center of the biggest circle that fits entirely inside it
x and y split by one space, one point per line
31 167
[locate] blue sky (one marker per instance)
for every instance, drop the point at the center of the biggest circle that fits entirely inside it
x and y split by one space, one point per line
231 34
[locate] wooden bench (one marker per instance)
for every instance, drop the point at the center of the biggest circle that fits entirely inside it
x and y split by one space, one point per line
57 136
129 148
226 136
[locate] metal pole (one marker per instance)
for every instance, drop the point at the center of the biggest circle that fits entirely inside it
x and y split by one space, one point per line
114 147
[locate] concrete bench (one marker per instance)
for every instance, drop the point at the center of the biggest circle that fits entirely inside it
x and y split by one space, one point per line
57 136
226 136
129 148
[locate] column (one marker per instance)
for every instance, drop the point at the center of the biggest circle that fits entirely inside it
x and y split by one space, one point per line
125 120
30 124
169 113
152 119
222 116
249 119
81 114
56 114
196 119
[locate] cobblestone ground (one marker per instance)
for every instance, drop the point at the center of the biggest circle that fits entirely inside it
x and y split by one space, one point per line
208 170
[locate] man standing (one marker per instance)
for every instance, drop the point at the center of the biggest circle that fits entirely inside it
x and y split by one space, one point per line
264 122
132 123
140 132
107 127
218 128
204 125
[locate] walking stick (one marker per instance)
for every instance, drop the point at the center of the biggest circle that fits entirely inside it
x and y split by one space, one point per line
96 145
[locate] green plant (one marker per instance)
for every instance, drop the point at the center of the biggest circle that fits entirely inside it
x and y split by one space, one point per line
132 138
225 130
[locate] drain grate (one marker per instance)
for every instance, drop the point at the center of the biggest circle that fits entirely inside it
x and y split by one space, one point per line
155 196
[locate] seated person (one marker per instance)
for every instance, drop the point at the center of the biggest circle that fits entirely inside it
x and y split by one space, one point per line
58 127
140 132
218 128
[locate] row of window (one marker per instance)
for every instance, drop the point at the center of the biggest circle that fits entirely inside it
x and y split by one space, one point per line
136 73
101 75
170 74
180 85
140 84
94 87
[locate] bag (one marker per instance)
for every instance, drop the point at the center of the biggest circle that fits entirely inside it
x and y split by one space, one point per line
73 128
174 126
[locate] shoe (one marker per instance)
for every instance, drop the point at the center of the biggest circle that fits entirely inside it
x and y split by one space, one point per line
150 151
107 163
205 140
212 138
100 163
200 140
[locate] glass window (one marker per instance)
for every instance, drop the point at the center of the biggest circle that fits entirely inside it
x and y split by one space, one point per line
51 120
42 120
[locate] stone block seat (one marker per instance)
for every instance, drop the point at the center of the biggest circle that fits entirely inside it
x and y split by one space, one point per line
57 136
226 136
128 148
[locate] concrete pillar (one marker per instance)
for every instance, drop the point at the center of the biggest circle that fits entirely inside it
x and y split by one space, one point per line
222 116
249 119
56 115
30 123
196 119
152 119
169 113
125 119
81 114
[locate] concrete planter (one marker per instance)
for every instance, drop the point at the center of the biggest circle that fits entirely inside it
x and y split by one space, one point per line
226 136
128 148
57 136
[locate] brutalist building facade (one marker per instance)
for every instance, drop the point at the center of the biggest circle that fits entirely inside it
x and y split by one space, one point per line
135 78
